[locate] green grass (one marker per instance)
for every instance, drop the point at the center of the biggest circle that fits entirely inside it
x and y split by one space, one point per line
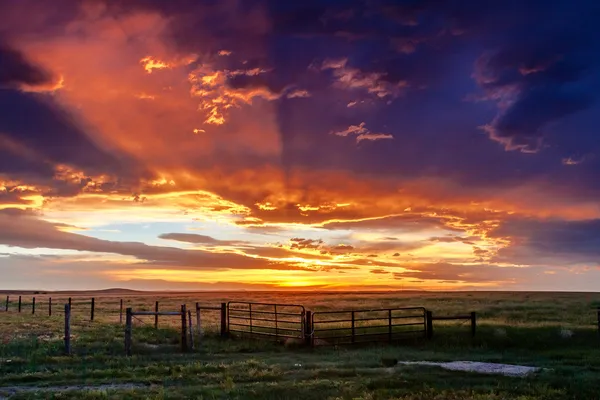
521 328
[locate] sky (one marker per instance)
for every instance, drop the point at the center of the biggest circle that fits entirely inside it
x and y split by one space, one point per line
322 144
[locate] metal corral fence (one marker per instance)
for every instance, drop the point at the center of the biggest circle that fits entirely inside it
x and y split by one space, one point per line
279 322
361 326
274 321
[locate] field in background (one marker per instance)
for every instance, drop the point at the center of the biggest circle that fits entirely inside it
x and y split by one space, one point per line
557 331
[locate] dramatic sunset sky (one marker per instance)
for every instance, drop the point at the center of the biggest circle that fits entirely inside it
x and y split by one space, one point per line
331 144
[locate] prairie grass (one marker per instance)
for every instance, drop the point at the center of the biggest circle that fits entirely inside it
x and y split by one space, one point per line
519 328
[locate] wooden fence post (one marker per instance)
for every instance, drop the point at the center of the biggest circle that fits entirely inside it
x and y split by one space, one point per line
184 342
473 323
156 315
33 306
128 320
19 303
250 309
49 306
92 310
308 334
276 323
70 305
7 297
429 324
598 310
121 312
353 333
198 323
390 325
67 329
191 333
224 327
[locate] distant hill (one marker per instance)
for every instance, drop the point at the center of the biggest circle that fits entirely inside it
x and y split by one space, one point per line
111 291
105 291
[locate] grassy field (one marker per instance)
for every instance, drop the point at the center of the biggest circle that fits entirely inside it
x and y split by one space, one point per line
555 331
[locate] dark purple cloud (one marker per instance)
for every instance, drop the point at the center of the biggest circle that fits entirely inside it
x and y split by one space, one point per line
16 71
549 242
37 134
537 80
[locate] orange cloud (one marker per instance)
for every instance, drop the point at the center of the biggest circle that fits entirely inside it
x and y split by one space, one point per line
150 64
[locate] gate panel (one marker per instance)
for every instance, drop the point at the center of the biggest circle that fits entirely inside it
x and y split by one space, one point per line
363 326
264 319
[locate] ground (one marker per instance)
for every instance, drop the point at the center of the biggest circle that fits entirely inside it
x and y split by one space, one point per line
555 331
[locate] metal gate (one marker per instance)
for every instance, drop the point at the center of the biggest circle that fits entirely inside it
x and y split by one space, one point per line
276 321
362 326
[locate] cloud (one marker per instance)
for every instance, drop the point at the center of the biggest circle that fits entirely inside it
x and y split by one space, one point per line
21 229
297 93
536 79
454 239
576 161
362 133
549 242
379 271
151 64
217 93
36 145
342 247
407 222
199 239
373 83
520 126
301 244
447 272
17 72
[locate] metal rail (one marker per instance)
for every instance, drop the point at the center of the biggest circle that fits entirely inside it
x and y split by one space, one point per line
448 318
134 313
392 324
264 319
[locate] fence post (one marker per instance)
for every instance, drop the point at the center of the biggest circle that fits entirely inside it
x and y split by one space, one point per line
308 334
70 305
276 325
250 309
156 315
191 333
121 312
353 333
67 329
184 343
224 324
49 306
7 303
390 325
429 324
92 310
128 320
19 303
473 323
198 321
33 306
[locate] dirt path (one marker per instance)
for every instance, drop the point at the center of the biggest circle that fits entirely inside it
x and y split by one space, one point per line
9 391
